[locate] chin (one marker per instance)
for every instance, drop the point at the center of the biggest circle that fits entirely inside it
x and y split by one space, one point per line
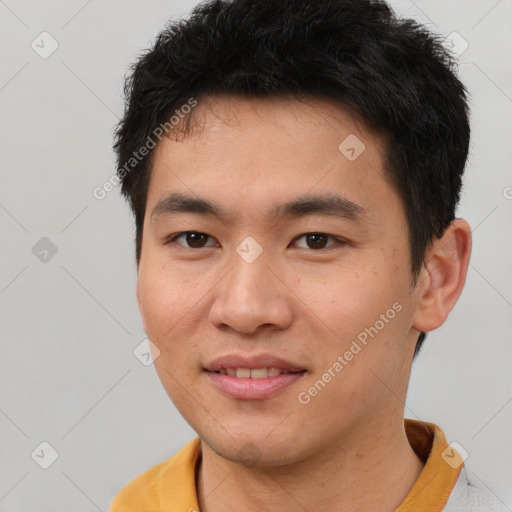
255 450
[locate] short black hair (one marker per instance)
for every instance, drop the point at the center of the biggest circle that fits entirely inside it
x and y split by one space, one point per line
392 73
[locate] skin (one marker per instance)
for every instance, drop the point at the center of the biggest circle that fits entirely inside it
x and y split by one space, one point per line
302 304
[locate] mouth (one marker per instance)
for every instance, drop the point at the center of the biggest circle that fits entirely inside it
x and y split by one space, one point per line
253 378
255 373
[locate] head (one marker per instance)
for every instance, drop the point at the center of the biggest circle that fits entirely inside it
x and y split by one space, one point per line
272 120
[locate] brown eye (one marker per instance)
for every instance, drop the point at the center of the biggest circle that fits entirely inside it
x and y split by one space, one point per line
196 239
192 239
317 241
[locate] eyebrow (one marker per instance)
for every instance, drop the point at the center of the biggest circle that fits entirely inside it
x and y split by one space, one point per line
328 205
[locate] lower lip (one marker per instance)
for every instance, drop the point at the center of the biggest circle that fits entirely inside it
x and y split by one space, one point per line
254 389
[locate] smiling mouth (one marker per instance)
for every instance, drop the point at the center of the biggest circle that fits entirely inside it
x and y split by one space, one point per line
254 383
255 373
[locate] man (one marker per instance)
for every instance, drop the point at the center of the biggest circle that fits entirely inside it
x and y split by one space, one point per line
294 169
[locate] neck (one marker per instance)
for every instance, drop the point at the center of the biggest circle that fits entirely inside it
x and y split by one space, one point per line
373 469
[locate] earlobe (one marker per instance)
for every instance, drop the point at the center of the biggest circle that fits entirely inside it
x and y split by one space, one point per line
443 276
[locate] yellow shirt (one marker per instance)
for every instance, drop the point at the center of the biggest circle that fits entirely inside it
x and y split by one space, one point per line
170 485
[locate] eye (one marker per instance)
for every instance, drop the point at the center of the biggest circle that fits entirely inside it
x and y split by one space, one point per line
198 240
191 239
318 241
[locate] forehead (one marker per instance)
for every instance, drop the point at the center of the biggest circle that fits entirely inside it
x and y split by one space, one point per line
253 153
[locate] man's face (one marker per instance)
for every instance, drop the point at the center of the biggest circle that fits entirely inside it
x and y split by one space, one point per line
300 288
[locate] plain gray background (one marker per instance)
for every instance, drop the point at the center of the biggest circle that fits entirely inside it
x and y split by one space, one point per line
70 324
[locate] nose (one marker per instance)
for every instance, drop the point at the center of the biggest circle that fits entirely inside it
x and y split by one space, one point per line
251 298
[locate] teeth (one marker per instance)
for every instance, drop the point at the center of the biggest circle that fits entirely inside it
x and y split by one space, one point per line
272 372
259 373
252 373
243 372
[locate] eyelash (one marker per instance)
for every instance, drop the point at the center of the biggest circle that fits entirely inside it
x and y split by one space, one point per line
339 241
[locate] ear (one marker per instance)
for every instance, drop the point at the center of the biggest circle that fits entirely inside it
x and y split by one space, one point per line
443 276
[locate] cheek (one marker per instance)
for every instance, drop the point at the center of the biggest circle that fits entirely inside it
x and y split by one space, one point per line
167 308
365 317
157 305
166 299
345 299
171 309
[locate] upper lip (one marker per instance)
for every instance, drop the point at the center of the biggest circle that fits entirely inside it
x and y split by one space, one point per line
255 361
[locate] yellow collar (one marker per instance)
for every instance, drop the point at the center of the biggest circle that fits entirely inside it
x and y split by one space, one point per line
170 485
439 475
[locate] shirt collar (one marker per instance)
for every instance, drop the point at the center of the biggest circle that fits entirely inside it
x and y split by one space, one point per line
430 492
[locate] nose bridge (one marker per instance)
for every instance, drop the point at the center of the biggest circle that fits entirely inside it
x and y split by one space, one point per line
250 280
250 270
250 295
